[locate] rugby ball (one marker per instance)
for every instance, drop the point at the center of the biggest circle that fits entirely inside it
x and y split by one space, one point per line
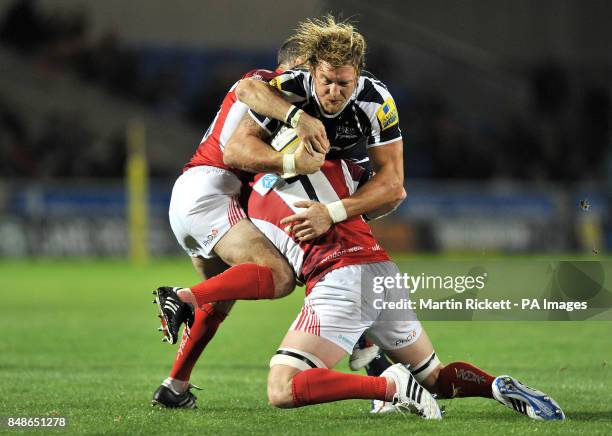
285 140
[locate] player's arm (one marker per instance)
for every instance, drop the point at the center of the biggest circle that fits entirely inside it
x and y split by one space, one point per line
379 196
384 192
246 150
268 101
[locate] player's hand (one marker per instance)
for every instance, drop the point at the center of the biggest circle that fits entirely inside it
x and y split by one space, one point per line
310 223
307 162
312 132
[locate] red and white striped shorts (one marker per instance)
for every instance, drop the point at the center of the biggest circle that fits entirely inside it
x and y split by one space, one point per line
339 309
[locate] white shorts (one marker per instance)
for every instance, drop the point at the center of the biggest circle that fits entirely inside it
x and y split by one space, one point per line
203 207
340 310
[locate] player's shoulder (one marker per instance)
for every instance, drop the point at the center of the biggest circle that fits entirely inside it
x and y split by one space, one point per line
371 89
293 76
260 74
376 101
292 82
298 73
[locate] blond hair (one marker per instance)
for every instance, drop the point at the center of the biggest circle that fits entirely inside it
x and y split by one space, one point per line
325 40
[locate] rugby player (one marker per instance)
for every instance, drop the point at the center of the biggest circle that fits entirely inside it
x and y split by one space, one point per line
357 111
361 122
339 269
208 222
352 105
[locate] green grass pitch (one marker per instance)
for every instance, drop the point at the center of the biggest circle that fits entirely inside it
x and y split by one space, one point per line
79 340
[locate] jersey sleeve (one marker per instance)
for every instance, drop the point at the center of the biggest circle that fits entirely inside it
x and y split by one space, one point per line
378 104
293 86
259 74
354 175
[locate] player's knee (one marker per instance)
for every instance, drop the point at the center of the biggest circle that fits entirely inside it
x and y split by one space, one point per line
279 389
284 279
279 396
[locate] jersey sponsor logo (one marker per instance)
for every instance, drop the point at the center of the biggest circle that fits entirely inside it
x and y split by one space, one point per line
337 254
269 180
267 183
348 252
387 114
275 84
346 132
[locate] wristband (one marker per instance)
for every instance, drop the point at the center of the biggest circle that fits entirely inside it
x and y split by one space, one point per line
337 212
288 165
291 113
295 118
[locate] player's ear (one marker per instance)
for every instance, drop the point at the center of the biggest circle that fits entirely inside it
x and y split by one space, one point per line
313 70
357 74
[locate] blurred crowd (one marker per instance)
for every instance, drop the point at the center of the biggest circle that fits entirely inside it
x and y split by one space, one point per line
58 148
564 134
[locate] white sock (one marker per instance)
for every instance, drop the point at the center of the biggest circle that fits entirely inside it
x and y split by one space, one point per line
178 386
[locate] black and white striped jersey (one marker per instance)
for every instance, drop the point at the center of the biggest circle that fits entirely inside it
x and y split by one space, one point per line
369 118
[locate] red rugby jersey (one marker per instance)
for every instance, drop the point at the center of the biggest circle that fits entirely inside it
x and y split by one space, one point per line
210 150
347 243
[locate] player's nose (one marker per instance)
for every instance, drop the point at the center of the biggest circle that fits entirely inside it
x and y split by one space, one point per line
334 90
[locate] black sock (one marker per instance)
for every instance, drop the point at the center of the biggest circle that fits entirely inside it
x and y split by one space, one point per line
378 365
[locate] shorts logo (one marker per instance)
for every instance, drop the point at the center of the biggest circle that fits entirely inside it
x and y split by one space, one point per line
211 236
470 376
387 114
408 338
345 340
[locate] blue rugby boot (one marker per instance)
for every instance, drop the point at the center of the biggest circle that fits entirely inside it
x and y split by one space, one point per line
523 399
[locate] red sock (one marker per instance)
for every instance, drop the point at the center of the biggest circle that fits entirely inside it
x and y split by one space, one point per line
241 282
462 379
320 385
204 328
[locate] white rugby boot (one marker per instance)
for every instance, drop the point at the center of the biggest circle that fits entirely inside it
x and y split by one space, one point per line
410 395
